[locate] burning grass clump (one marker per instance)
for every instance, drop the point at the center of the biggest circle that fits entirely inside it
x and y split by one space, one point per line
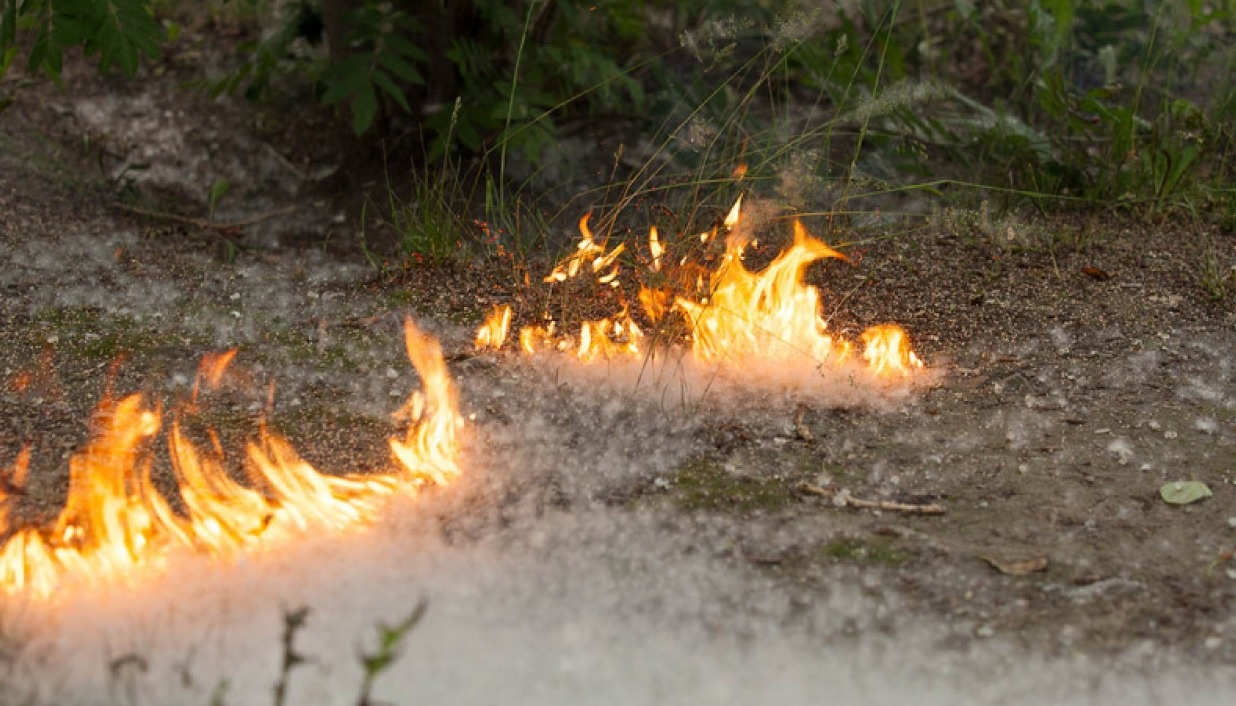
117 524
684 312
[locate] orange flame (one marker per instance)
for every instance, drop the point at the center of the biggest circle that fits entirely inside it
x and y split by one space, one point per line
886 349
734 315
774 315
492 333
770 314
13 481
617 335
589 252
116 523
609 338
211 369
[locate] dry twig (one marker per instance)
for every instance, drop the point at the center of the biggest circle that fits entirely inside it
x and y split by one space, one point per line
205 222
800 425
842 498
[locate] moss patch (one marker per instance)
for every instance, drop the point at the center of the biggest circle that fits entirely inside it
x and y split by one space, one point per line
703 485
880 551
92 334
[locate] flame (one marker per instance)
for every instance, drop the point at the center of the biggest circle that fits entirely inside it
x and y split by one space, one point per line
733 315
732 218
886 349
770 314
211 369
492 333
12 482
773 315
115 523
610 337
656 248
430 447
589 252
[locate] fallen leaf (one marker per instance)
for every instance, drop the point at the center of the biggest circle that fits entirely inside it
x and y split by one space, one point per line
1096 273
1019 567
1183 492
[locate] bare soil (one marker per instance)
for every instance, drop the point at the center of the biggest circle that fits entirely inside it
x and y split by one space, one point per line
1083 364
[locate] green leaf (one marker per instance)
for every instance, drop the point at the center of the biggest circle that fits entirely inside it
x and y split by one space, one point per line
364 109
1184 492
406 48
347 78
398 66
8 24
218 190
384 82
119 31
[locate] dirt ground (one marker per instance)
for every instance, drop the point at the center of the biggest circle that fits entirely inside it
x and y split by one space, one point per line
1081 364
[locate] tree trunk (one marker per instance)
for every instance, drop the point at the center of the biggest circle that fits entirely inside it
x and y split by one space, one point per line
334 24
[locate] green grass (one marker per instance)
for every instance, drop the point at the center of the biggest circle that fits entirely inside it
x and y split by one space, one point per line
1216 277
430 223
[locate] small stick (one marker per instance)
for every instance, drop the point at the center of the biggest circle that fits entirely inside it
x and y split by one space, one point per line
800 425
205 223
844 499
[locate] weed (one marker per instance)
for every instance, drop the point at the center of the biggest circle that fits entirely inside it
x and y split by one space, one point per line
1216 277
390 646
293 622
430 224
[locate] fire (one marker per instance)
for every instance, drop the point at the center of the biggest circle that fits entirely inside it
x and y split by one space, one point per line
732 315
492 333
115 522
773 315
886 349
599 262
656 248
607 337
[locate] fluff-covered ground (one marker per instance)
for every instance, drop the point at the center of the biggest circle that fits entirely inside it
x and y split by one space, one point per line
634 533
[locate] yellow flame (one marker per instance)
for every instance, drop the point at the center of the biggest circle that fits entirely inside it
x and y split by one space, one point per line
430 447
733 314
656 248
731 218
492 333
609 338
588 252
886 348
116 523
771 314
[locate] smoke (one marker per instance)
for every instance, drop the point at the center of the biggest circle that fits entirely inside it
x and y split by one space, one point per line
678 381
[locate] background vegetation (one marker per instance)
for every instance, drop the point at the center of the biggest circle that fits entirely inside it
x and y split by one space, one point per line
1039 104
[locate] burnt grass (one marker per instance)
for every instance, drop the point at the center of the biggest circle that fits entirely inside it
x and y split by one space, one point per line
1083 364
